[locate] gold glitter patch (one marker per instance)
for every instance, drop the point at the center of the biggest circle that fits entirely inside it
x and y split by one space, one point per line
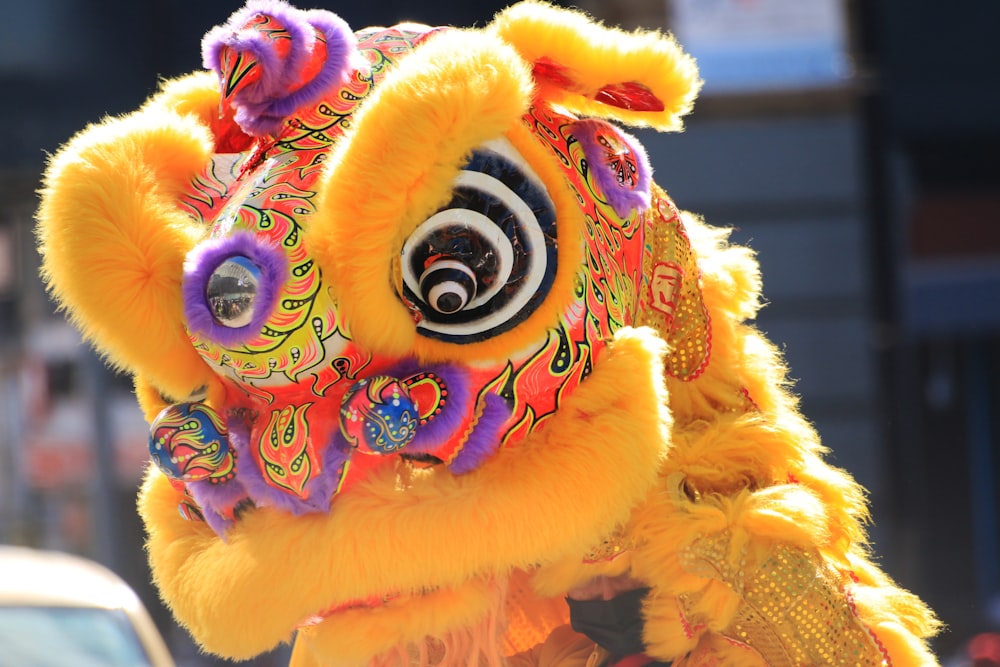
610 548
671 301
795 609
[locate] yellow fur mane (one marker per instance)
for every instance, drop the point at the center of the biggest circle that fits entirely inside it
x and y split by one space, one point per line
711 488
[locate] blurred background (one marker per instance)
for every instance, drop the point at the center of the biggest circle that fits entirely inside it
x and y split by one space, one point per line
855 144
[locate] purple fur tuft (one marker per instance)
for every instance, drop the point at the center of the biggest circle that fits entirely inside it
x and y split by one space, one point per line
215 500
485 437
623 197
218 523
205 259
262 106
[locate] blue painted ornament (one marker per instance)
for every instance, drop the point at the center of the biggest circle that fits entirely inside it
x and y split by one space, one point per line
377 416
189 442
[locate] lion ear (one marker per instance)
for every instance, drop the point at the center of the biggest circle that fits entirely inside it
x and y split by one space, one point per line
640 78
113 237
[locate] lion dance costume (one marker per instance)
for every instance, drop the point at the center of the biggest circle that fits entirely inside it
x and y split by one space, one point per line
423 347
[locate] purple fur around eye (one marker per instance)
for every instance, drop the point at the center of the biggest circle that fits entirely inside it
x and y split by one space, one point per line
618 164
262 106
203 261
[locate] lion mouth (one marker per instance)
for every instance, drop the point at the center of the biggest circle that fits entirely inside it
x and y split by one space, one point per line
370 602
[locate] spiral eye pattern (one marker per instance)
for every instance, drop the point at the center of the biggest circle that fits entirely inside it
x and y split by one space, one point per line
448 286
483 262
231 291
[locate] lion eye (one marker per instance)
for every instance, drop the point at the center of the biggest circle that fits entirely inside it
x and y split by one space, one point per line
231 291
484 261
448 286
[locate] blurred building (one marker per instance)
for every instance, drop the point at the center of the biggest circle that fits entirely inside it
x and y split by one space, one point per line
852 143
933 119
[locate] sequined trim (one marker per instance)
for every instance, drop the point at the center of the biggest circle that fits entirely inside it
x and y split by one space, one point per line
671 296
610 548
794 610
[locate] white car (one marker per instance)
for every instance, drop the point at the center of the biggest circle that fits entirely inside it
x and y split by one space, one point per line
60 610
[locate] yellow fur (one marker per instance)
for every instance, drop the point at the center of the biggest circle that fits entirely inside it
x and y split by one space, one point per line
195 94
596 56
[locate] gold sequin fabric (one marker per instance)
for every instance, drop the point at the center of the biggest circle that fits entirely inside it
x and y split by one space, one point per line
610 548
671 300
794 610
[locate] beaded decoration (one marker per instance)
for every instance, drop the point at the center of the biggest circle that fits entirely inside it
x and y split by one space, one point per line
794 609
671 299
